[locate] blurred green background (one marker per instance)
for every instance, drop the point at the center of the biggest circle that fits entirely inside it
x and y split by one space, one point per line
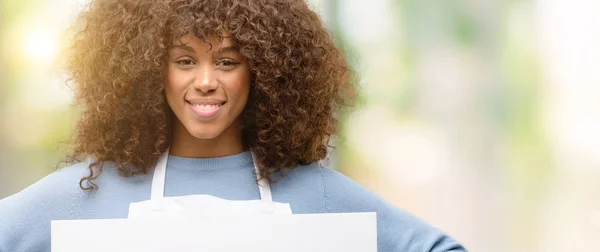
480 117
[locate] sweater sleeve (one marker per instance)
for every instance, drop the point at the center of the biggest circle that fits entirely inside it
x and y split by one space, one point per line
397 230
25 217
2 247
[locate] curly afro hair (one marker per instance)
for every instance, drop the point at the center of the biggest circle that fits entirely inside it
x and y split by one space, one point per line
299 79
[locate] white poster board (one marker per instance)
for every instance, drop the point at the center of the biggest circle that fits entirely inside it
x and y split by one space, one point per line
347 232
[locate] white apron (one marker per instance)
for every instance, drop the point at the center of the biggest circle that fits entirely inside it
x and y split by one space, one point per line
202 205
207 223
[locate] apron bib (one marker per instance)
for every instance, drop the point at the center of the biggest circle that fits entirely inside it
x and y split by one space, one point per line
202 205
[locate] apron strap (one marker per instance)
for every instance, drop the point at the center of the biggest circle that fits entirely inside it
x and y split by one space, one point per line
158 179
263 184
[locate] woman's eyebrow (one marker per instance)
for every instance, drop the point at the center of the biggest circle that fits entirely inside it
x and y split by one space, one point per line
185 48
225 49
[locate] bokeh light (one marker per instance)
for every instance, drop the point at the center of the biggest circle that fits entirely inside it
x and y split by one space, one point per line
40 46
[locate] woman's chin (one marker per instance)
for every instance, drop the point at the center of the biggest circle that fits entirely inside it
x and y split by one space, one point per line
205 135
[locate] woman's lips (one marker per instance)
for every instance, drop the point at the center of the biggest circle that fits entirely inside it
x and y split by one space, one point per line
206 110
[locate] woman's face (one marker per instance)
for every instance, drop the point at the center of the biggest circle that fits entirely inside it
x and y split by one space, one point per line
207 86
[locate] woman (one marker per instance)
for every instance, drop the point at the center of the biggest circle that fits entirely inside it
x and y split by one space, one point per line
212 84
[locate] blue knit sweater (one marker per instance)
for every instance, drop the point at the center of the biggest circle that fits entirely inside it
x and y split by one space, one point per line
25 217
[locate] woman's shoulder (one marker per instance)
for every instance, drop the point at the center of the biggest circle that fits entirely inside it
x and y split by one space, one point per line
398 230
28 213
53 187
337 188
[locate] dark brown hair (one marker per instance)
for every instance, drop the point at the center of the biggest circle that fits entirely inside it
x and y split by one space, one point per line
300 79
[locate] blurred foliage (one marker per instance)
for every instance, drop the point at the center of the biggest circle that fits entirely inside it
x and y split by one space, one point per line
498 136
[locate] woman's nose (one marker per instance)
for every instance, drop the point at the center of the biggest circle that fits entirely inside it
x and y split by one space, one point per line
206 80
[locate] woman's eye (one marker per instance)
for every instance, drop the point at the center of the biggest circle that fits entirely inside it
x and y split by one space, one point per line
185 62
227 63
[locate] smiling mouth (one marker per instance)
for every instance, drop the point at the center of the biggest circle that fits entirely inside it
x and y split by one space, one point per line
206 107
206 110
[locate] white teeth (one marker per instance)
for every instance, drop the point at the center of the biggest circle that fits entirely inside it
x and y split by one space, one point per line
206 107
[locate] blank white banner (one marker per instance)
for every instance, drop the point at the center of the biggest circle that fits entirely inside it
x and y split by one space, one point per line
257 233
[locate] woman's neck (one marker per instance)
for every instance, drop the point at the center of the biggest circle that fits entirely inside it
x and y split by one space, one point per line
183 144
